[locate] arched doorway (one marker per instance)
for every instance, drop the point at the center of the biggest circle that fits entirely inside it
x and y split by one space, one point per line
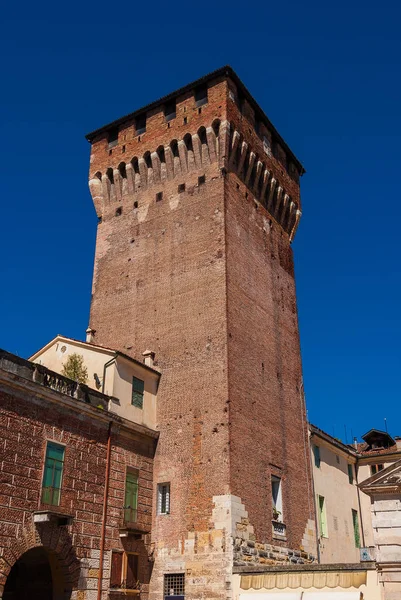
35 576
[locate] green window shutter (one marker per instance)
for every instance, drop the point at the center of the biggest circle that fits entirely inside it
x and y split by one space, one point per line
131 497
350 473
53 473
138 388
316 454
355 522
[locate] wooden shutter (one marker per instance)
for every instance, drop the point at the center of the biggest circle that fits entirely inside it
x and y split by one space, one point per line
132 571
116 569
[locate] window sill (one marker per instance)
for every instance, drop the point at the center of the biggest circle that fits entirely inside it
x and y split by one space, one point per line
279 530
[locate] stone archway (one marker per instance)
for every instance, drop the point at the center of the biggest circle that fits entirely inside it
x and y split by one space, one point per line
31 577
40 565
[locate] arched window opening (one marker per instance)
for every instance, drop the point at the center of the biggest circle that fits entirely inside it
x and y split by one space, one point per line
110 175
122 170
260 182
98 175
148 160
188 141
253 173
160 154
174 147
202 135
135 165
216 127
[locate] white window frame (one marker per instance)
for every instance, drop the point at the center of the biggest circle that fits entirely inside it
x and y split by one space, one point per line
277 499
160 490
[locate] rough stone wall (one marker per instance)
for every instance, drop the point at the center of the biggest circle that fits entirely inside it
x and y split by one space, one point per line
26 424
386 523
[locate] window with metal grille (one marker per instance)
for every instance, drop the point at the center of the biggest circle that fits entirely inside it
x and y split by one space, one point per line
138 388
174 585
355 522
131 497
52 474
124 571
163 499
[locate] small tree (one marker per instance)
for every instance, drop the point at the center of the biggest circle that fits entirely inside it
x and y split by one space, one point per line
74 368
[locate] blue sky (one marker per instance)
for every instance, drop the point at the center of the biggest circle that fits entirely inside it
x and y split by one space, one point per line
328 77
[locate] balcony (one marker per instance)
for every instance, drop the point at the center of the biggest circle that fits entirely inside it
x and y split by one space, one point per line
279 530
135 522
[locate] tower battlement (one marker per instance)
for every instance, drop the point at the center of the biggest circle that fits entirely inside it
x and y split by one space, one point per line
213 124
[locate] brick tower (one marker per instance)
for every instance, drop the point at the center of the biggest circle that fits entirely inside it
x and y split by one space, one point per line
197 197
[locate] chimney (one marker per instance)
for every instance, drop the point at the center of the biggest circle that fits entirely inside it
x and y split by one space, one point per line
355 443
90 335
398 442
148 358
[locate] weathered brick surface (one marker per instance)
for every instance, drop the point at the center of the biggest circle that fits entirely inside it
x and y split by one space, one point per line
27 423
205 279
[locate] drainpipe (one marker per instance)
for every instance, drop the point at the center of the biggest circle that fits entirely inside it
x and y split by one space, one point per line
359 505
104 513
110 362
310 440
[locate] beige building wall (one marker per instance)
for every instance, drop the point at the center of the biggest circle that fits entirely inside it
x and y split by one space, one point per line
364 472
331 482
108 372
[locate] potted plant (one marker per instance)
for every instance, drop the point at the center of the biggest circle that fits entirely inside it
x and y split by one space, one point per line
276 514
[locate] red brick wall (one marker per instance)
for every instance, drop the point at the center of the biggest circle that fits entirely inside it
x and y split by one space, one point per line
187 278
25 427
267 419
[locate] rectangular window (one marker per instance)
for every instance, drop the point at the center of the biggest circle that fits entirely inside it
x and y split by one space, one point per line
375 469
138 388
140 124
113 138
322 516
350 473
124 571
267 145
174 585
53 474
355 523
316 454
170 111
131 497
200 96
163 499
277 500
